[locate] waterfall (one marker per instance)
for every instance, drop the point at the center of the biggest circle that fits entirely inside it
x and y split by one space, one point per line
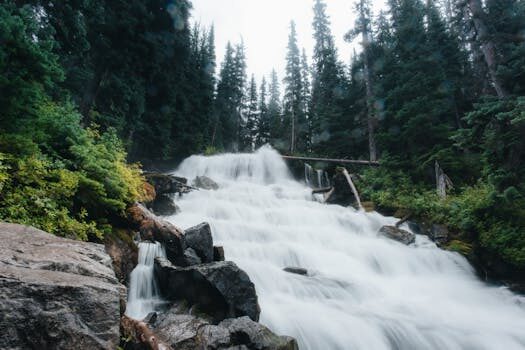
362 291
308 171
143 293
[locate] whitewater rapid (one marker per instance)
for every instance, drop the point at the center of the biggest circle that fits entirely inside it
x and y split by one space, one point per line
364 291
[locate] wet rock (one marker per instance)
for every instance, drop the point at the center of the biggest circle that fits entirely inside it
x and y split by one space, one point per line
56 293
439 233
168 184
123 252
221 289
153 228
296 270
218 254
205 183
243 331
200 239
191 258
188 332
164 205
398 234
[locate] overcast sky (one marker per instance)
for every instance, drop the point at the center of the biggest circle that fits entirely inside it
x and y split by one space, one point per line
264 26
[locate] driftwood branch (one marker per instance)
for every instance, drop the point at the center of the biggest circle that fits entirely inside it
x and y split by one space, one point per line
328 160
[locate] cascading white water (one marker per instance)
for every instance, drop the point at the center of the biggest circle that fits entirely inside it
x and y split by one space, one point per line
363 291
143 293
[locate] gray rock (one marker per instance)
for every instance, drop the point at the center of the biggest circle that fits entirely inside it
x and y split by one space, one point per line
123 252
205 183
218 254
199 238
191 258
187 332
244 331
398 234
56 293
164 205
296 270
438 233
221 289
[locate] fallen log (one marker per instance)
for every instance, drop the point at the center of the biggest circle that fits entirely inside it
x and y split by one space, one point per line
329 160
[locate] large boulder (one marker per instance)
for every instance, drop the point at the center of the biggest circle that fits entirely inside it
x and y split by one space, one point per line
153 228
200 239
398 234
184 331
219 289
205 183
56 293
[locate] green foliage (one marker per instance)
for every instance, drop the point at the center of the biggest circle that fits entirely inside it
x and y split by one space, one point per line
54 174
477 213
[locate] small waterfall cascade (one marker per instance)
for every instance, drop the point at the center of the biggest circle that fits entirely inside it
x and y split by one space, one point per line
143 293
362 291
315 178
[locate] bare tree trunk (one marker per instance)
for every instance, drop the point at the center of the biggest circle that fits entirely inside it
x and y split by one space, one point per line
487 45
371 119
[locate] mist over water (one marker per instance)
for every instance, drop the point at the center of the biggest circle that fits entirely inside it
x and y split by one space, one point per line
363 291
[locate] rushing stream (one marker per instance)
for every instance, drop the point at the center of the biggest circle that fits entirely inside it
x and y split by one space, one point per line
363 291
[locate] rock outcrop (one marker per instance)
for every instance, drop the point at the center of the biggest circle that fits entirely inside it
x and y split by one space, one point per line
219 289
184 331
56 293
398 234
205 183
200 239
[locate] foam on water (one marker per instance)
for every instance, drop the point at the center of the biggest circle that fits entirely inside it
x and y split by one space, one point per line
364 291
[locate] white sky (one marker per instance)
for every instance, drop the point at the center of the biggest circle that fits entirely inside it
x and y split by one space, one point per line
265 24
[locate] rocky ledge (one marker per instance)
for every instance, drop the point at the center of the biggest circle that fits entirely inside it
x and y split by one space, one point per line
56 293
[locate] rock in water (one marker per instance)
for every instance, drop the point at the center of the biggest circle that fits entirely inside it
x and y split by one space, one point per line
164 205
398 234
205 182
199 238
296 270
56 293
220 289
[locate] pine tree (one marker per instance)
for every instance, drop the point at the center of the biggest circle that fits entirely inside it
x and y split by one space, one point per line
327 82
362 27
263 125
252 116
293 90
274 113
